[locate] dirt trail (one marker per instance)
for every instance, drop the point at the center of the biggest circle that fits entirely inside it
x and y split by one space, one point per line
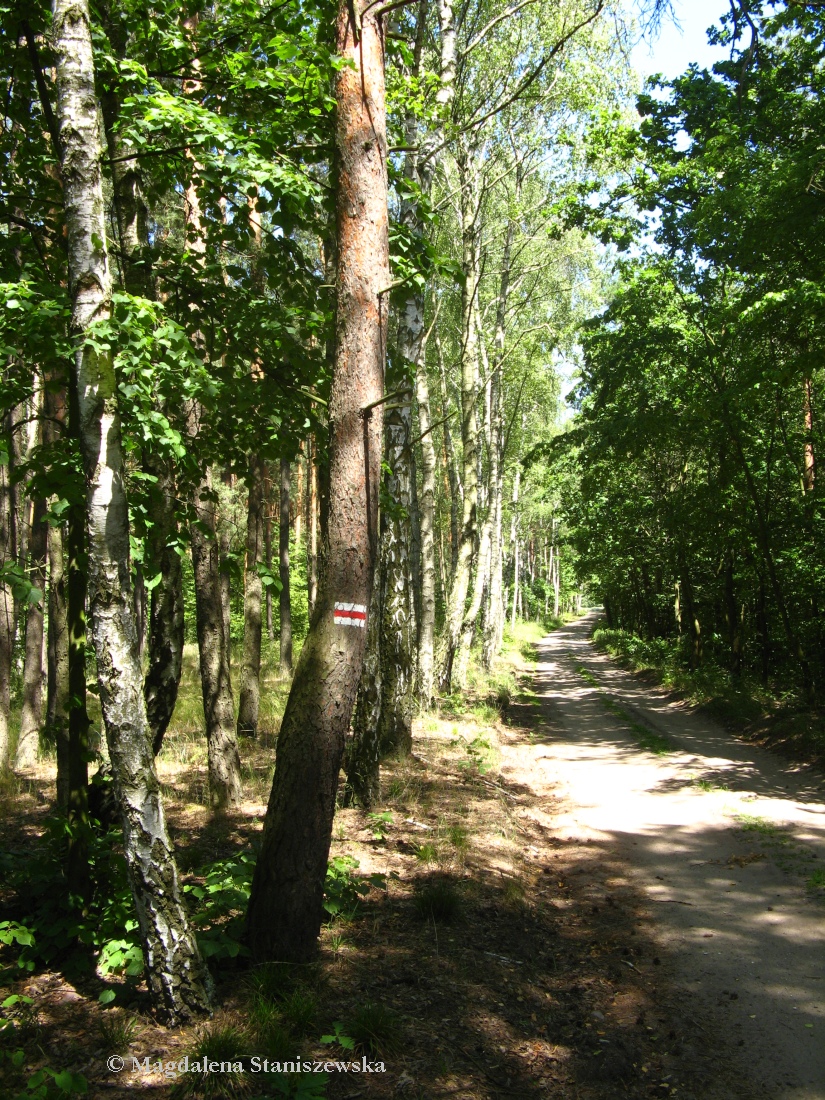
721 837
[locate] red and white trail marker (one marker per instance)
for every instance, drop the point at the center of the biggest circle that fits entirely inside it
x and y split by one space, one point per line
350 614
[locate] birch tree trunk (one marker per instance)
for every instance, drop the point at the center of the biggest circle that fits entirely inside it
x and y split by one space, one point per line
175 974
285 908
495 611
426 625
166 614
514 540
250 699
450 464
383 710
482 574
469 419
77 572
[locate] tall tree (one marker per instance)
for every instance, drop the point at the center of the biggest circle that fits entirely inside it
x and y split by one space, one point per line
250 696
176 976
283 558
285 906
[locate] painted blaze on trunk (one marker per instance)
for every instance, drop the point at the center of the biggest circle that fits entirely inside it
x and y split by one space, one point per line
285 907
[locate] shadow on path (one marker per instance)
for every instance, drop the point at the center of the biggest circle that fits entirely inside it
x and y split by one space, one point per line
725 840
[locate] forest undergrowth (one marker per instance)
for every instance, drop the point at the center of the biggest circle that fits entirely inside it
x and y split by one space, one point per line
761 713
467 949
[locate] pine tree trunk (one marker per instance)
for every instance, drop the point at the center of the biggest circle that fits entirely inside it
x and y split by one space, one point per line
250 699
175 974
283 549
285 907
31 716
216 682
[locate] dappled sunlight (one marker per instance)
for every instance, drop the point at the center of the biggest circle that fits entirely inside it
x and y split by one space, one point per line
723 839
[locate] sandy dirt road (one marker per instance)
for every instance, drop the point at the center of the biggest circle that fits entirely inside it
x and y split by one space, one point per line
722 838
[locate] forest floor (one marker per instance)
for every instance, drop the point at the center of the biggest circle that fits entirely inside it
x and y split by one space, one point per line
601 895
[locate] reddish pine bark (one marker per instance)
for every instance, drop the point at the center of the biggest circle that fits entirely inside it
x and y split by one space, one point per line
285 908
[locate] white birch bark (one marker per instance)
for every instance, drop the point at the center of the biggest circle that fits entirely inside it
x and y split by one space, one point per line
176 976
470 200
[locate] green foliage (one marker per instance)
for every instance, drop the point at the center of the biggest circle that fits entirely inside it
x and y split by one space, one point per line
46 1083
479 754
344 889
379 825
221 892
694 509
339 1037
106 933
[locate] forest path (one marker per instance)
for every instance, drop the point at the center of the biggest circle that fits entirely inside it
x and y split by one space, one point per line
720 836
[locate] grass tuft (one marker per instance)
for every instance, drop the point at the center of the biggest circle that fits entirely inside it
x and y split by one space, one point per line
217 1042
438 901
514 893
426 853
116 1031
375 1029
299 1011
